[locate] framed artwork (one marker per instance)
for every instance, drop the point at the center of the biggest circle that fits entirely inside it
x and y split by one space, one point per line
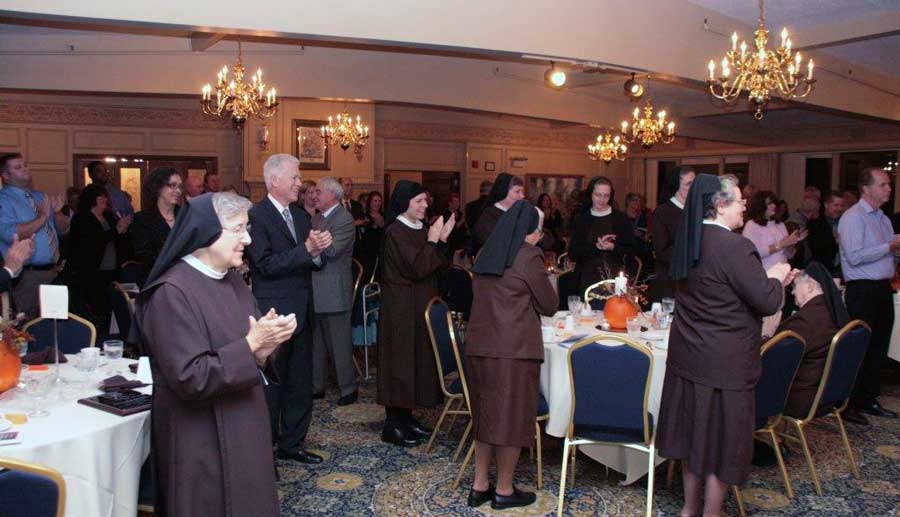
490 166
564 190
309 147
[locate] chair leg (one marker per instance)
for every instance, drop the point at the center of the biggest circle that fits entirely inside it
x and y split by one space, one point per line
670 475
740 501
453 416
809 458
437 426
562 478
356 365
540 464
574 455
462 468
651 474
462 441
366 354
850 458
784 473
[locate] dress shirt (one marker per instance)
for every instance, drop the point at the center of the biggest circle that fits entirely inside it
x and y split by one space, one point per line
118 202
865 235
330 210
15 209
281 208
763 237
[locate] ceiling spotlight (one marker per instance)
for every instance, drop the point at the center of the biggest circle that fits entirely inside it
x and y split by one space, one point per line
633 89
555 77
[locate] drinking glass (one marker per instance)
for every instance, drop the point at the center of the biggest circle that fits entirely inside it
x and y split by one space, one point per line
633 325
112 349
36 386
668 305
88 360
573 302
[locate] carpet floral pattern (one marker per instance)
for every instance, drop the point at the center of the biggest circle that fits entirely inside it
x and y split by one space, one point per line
363 476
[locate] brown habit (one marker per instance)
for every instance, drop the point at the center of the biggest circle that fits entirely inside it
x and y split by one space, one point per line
504 349
707 406
407 376
665 226
813 323
212 446
488 219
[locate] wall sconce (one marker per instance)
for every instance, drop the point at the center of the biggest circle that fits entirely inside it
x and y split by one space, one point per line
264 138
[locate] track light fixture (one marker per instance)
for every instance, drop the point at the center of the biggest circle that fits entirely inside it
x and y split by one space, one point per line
555 77
633 89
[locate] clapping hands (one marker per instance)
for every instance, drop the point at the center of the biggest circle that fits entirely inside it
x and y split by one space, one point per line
317 242
783 273
19 253
268 332
607 242
440 229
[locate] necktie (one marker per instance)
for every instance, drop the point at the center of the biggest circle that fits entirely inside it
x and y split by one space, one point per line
290 222
52 240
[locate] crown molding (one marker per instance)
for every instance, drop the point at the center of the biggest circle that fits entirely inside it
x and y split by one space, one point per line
99 115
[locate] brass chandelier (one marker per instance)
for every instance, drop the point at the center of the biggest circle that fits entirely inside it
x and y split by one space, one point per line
236 99
341 130
762 72
607 148
648 130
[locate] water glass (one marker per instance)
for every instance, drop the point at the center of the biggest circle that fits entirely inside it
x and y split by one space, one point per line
572 303
633 325
88 360
113 348
668 305
36 386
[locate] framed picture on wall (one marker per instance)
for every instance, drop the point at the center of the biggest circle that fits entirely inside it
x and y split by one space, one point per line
309 146
490 166
564 190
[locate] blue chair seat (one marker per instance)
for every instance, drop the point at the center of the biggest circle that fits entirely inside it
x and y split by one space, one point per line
603 433
456 387
543 407
27 494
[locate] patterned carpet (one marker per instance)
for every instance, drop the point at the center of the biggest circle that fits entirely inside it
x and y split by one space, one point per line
363 476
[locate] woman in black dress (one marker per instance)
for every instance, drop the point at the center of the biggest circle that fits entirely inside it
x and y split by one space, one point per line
163 189
665 228
552 240
370 235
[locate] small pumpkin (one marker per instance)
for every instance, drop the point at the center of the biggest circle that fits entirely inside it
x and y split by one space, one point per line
10 366
617 310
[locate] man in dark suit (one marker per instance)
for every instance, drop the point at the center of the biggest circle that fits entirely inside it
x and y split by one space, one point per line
351 205
283 252
822 239
19 252
473 208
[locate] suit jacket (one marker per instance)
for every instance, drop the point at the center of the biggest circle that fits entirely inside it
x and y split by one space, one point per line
356 209
717 329
813 323
148 234
665 227
823 247
333 283
279 266
521 295
90 240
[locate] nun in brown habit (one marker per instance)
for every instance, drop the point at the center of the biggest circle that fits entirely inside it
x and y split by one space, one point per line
412 260
707 408
212 449
504 351
507 189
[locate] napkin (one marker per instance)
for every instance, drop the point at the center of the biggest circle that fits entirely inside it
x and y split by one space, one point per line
572 340
117 382
44 356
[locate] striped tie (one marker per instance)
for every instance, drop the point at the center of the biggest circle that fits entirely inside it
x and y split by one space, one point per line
52 240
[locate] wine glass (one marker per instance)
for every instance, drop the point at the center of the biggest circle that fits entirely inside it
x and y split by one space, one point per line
573 303
36 386
633 326
668 305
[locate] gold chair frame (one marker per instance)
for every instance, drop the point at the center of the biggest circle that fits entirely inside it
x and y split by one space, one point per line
452 398
649 443
356 282
41 470
799 424
93 329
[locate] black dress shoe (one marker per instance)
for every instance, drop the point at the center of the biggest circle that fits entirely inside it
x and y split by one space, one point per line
477 498
514 500
348 399
854 417
300 456
417 430
396 434
876 409
317 396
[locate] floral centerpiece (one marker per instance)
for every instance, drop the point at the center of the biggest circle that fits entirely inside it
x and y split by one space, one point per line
13 344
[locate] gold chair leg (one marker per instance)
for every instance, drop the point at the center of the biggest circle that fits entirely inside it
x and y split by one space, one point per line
850 458
809 458
784 473
462 441
574 454
740 501
562 478
462 468
670 475
437 426
651 474
540 464
453 416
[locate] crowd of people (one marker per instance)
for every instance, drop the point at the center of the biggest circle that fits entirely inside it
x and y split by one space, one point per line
227 356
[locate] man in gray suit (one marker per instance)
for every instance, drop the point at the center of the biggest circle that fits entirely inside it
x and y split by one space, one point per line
333 293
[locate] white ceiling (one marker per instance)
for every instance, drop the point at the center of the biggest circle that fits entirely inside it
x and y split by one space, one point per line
796 14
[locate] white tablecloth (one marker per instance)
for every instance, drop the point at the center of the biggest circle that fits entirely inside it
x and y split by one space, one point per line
99 454
894 348
555 388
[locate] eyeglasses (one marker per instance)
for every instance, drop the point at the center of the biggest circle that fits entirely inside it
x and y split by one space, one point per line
174 185
239 229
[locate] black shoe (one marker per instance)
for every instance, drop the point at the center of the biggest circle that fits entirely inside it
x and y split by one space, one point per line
317 396
348 399
300 456
876 409
855 417
417 430
477 498
396 434
514 500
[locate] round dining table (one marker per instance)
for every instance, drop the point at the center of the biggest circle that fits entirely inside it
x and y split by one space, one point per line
556 389
98 454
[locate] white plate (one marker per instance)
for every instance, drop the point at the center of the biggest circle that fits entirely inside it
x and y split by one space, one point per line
4 424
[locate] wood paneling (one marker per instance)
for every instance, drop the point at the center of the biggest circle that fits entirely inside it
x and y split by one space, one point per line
9 138
108 141
182 142
47 146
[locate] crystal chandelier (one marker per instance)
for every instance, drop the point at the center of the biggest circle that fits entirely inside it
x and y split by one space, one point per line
607 148
342 131
761 72
237 99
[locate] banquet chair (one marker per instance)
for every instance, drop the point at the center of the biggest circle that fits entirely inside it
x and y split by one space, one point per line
365 330
845 357
594 295
74 334
443 341
30 490
560 260
458 293
122 309
356 272
624 419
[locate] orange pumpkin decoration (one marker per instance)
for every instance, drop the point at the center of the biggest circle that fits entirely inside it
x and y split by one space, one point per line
617 310
10 366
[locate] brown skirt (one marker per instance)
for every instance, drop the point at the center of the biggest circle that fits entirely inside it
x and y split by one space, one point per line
504 395
711 430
